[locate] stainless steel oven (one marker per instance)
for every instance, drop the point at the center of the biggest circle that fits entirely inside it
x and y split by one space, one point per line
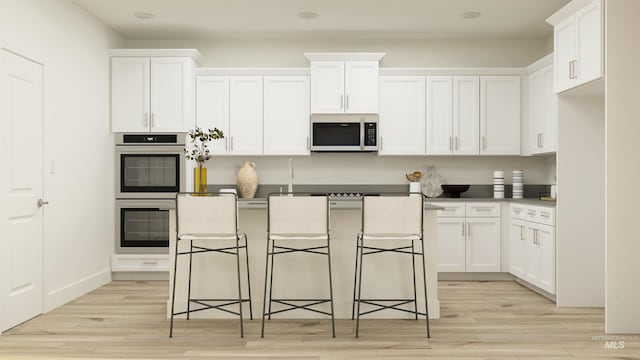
149 165
142 226
344 132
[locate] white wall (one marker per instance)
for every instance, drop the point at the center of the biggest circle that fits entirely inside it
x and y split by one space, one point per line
78 223
580 207
622 314
372 169
400 52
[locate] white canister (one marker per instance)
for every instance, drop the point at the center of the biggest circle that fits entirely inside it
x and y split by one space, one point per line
415 187
498 184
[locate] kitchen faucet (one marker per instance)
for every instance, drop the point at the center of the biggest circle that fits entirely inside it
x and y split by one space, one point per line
290 187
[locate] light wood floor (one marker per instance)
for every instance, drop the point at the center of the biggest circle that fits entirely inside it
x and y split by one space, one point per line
480 320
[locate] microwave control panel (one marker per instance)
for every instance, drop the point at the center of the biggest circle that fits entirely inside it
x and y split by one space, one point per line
370 134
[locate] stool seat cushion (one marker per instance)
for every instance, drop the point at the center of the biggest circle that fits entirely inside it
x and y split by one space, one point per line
298 236
391 237
209 236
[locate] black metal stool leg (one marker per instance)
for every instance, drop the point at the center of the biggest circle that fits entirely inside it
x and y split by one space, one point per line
239 284
333 322
246 252
273 259
173 292
355 280
359 288
413 267
189 289
426 298
266 278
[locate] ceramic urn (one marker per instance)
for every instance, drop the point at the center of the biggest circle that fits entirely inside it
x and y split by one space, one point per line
247 180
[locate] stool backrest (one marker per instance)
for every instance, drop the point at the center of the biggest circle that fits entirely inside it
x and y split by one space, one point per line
207 214
392 214
299 214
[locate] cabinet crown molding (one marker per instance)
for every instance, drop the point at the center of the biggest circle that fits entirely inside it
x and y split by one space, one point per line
567 11
192 53
350 56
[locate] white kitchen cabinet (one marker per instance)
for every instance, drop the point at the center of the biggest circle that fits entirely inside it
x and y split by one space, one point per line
152 94
233 104
543 245
245 115
578 44
402 115
500 115
212 109
543 112
286 115
469 237
517 247
451 245
339 87
453 115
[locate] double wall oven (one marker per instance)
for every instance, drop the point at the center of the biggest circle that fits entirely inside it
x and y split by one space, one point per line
150 170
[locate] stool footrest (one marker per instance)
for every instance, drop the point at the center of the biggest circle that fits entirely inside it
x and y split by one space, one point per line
220 307
400 302
288 302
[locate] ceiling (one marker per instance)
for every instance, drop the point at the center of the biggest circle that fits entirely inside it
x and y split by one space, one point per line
210 19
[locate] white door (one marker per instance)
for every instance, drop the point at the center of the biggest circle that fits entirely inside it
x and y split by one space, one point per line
171 89
212 109
130 104
549 138
451 244
466 112
483 244
517 248
286 115
533 256
439 115
327 87
545 239
245 115
402 115
21 269
500 115
536 111
564 43
589 43
361 87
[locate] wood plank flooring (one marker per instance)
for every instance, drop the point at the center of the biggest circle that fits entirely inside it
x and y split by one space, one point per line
480 320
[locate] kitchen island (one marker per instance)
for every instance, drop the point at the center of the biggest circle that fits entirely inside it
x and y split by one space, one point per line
305 275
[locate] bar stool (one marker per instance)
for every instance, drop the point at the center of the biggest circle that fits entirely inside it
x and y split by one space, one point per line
209 218
297 217
395 217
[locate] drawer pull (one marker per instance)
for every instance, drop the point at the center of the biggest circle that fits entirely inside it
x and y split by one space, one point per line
149 263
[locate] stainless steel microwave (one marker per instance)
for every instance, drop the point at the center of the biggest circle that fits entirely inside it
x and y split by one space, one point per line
344 132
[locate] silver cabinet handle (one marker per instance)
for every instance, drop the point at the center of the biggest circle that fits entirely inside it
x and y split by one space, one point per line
468 229
226 144
484 142
308 143
42 203
146 119
571 69
231 143
463 232
450 143
152 120
347 102
541 139
149 263
381 142
521 232
457 143
341 101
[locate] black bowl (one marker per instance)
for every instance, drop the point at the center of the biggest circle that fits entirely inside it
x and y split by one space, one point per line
454 191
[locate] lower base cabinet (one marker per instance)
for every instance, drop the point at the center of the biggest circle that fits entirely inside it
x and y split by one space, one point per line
533 246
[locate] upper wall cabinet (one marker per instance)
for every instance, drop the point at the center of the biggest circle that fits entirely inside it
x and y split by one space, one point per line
152 93
500 115
344 82
402 113
578 43
543 111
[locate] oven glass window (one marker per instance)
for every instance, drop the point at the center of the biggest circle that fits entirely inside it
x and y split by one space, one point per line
336 134
144 227
149 172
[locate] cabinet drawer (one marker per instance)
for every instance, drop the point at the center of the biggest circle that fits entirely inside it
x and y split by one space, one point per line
139 263
483 210
537 214
518 211
545 216
450 209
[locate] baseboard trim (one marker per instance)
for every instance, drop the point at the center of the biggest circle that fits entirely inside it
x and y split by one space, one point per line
70 292
472 276
140 275
536 289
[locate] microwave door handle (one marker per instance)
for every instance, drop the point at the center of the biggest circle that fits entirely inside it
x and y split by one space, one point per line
362 135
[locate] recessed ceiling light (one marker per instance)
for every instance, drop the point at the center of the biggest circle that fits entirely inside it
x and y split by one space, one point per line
307 15
470 15
144 15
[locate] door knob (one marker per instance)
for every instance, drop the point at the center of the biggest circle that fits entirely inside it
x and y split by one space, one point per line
42 203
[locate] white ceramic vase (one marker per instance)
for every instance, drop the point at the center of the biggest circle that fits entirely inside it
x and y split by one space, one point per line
247 180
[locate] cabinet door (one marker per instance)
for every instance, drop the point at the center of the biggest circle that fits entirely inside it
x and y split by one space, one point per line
172 98
466 111
451 244
483 245
286 115
245 115
327 87
549 138
402 115
564 43
545 241
361 87
532 256
439 115
536 111
212 109
589 43
517 244
500 115
130 94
